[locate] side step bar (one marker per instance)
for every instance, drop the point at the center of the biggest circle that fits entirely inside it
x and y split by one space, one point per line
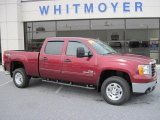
70 84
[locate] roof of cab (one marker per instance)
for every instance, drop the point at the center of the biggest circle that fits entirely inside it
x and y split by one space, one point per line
59 38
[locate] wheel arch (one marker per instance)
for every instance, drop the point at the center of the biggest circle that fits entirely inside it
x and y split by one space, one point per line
14 65
109 73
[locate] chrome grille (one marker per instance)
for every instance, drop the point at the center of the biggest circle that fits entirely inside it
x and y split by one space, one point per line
153 69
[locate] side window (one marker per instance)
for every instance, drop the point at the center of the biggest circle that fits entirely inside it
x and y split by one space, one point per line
72 48
54 47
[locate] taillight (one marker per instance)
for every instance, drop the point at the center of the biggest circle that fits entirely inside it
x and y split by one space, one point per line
6 55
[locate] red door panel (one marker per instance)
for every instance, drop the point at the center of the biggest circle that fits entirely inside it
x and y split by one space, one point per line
50 66
79 70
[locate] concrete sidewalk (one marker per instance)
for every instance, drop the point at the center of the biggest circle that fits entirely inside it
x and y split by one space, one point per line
157 66
1 68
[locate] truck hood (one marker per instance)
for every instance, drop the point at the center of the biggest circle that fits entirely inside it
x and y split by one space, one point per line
129 58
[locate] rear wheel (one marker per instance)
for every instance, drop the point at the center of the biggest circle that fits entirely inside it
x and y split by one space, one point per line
20 78
115 90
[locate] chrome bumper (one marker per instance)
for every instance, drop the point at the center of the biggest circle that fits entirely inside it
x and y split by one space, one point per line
143 87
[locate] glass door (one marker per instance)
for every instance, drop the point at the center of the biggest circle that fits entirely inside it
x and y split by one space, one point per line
111 31
142 36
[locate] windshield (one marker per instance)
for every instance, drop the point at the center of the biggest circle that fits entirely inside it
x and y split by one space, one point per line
101 48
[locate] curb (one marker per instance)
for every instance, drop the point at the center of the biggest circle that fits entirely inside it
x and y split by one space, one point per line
1 68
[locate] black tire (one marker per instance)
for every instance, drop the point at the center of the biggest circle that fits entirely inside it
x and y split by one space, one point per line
24 78
125 94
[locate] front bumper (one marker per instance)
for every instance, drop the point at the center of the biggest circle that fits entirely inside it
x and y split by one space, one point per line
143 87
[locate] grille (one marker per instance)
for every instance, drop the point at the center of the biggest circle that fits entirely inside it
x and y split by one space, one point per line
153 69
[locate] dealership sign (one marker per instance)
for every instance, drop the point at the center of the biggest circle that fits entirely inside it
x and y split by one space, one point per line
43 10
91 8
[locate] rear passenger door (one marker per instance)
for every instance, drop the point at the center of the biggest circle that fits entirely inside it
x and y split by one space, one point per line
51 60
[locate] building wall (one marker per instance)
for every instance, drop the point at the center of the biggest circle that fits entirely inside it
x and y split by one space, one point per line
14 12
11 25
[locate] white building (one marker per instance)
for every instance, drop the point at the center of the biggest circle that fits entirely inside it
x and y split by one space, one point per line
127 25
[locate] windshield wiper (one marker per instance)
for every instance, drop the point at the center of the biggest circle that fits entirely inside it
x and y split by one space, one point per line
111 53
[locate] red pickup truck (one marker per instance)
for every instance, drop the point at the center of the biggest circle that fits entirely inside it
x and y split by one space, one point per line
84 62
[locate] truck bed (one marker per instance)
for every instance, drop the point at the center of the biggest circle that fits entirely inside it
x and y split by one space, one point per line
29 60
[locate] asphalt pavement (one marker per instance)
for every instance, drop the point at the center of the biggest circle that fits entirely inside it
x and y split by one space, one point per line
47 101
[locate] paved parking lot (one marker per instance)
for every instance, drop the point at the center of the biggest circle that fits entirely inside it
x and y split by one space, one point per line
47 101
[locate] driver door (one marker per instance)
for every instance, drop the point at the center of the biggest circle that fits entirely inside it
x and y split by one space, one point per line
79 70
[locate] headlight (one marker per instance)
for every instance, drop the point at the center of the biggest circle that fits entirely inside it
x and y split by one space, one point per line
144 69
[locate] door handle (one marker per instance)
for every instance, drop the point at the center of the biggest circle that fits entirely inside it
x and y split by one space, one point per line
67 60
45 58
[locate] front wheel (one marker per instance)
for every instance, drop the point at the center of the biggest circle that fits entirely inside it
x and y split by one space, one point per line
20 78
115 90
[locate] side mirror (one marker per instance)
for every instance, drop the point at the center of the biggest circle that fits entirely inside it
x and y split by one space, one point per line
80 52
90 54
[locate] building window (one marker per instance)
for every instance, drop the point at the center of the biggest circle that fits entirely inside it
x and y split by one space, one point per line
111 31
36 32
142 37
137 36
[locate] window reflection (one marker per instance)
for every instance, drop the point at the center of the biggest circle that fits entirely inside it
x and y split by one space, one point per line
73 25
143 37
37 32
137 36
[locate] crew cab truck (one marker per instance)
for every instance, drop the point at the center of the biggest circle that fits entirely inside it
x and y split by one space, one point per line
84 62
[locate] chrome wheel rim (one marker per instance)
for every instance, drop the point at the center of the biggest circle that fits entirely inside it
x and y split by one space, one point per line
114 91
18 78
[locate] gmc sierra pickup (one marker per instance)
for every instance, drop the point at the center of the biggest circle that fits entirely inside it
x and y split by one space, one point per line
84 62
